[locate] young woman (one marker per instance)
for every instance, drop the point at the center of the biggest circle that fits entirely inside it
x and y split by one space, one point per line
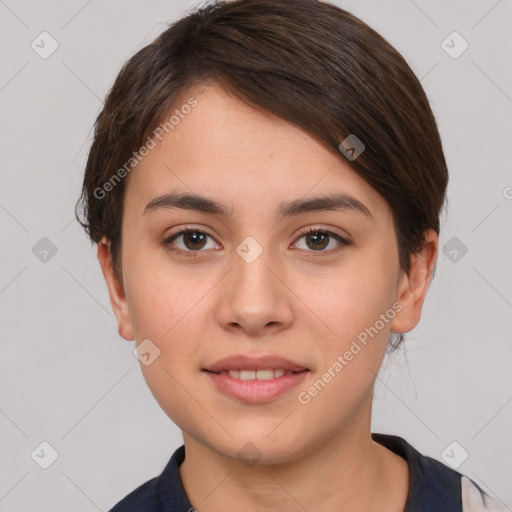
264 186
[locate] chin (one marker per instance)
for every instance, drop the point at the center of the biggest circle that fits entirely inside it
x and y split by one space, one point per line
259 449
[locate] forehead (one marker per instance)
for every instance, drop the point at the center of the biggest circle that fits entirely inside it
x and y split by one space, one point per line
223 148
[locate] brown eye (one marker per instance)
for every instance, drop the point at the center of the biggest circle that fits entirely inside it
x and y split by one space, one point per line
194 240
316 240
188 242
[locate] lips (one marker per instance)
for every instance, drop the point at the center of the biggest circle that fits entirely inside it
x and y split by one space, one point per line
249 390
244 363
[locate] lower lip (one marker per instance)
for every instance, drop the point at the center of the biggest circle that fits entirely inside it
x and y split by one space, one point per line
256 391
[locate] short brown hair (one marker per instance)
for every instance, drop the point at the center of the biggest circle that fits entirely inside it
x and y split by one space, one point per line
306 61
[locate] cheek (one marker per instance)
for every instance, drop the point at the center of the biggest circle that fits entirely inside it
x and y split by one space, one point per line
169 313
356 305
156 296
352 354
166 306
348 299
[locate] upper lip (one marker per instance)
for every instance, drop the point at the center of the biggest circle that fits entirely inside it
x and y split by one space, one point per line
242 362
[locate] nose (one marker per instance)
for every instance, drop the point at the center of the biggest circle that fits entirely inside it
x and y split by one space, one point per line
254 298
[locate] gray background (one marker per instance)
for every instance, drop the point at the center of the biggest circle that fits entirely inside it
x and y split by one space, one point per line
67 378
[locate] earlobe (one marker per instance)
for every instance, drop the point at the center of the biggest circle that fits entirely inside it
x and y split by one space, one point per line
115 291
412 288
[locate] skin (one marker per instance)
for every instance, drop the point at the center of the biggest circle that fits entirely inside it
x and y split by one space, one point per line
294 300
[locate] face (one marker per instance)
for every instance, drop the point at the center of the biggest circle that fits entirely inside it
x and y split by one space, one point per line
318 285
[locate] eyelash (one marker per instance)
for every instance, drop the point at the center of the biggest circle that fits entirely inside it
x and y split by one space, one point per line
167 242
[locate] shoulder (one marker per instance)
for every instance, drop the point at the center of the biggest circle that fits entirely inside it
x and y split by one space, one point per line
163 492
434 486
143 499
474 499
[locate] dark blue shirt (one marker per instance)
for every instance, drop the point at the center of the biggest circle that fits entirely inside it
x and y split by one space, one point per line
434 487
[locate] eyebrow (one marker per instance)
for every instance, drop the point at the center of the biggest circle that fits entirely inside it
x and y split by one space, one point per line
191 201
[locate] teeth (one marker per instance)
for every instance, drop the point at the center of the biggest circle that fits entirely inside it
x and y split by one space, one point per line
266 374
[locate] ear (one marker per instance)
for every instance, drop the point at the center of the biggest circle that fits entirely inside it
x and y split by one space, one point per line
412 287
115 291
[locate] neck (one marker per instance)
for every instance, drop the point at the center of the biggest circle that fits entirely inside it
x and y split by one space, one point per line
348 472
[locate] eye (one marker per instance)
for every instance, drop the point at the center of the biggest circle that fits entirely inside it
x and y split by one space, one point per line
193 240
319 239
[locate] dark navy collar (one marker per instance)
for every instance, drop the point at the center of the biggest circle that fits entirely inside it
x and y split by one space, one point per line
434 487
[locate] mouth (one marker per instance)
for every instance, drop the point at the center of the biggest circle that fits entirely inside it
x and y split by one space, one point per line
256 379
263 365
264 374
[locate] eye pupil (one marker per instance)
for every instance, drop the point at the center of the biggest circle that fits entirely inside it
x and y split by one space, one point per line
315 235
196 237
